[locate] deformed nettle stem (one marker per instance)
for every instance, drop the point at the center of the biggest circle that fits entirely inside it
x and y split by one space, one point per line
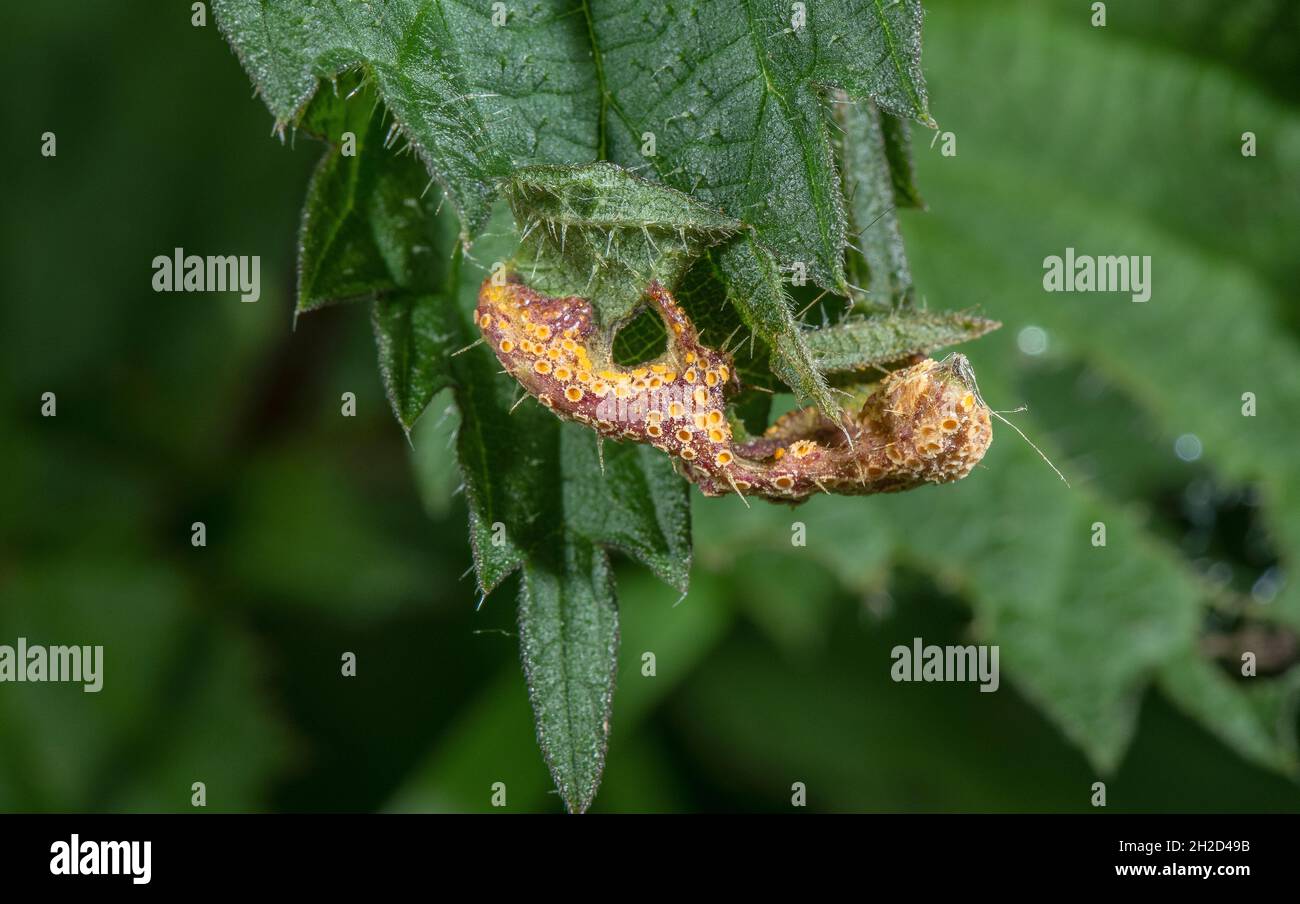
921 424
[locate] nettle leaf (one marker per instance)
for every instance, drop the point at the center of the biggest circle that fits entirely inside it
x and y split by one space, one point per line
474 97
724 102
433 456
861 343
515 101
338 257
602 232
568 629
413 335
756 289
635 505
762 153
368 233
541 502
875 150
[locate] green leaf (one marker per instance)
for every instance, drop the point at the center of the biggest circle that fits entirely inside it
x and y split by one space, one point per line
627 497
368 233
763 72
604 233
898 150
568 630
538 498
338 258
179 698
859 343
876 170
730 99
729 93
755 288
433 456
472 97
1256 719
540 501
414 336
1084 630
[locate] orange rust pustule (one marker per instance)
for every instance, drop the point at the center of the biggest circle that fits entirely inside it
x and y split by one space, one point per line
923 424
674 402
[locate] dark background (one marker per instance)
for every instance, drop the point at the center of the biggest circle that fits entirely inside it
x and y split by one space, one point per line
222 663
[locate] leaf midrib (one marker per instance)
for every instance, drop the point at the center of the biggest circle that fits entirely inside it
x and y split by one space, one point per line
598 59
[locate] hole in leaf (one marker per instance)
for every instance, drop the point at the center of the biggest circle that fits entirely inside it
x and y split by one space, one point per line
642 339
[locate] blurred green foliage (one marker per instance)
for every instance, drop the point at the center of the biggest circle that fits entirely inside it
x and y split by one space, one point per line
328 534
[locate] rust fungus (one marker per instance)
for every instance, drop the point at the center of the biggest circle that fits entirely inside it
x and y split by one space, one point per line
921 424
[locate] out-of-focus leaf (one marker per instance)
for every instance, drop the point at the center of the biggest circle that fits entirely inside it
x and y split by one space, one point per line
1080 635
902 169
1253 36
1210 331
484 746
1257 719
492 740
1195 163
305 535
871 744
179 700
